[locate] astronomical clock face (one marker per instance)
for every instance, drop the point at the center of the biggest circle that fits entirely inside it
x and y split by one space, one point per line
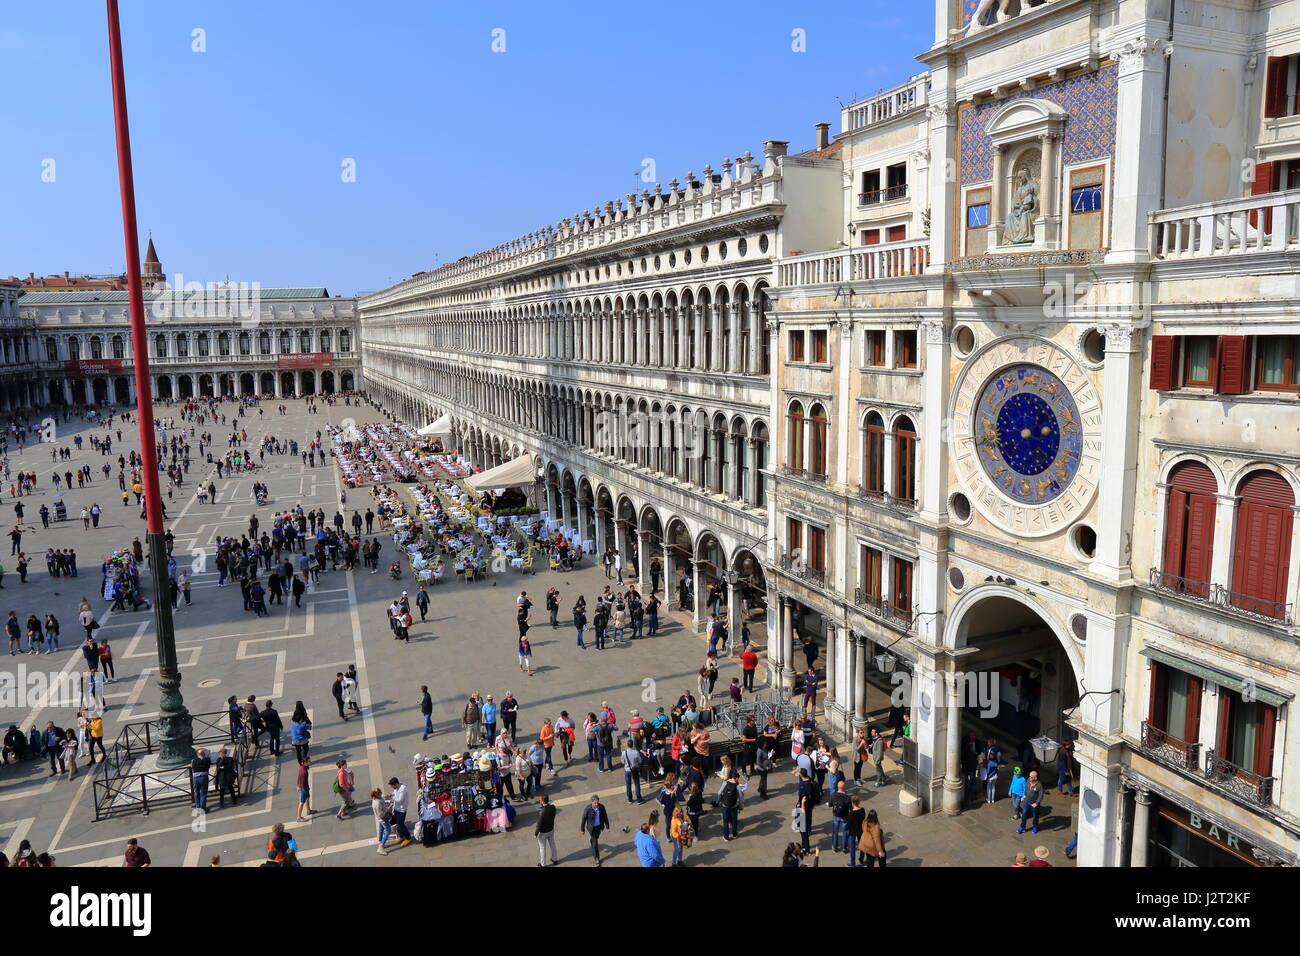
1027 436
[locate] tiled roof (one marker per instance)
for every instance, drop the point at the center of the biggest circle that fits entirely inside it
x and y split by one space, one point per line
93 295
826 153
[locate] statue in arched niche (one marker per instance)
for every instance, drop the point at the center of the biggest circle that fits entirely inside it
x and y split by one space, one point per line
1022 208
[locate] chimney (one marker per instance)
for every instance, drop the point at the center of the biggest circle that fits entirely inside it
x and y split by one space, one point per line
823 135
65 273
773 148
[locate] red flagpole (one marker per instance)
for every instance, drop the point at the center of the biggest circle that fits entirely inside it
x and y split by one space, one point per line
174 721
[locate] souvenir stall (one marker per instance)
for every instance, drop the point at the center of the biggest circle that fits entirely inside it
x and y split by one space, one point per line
458 797
119 568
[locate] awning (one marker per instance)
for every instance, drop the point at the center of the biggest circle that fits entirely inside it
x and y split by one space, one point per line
436 429
1213 674
519 472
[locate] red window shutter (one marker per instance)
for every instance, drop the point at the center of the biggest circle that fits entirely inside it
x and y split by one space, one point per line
1262 556
1264 181
1192 727
871 237
1264 737
897 233
1224 733
1175 529
1199 546
1275 86
1232 378
1159 696
1164 362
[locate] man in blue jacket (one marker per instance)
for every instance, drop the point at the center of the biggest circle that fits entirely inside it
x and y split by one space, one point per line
595 819
647 847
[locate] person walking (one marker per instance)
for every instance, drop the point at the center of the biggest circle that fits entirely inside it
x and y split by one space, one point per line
840 808
336 690
595 820
854 824
1033 799
273 726
544 831
526 656
304 789
300 732
871 848
509 714
878 756
422 602
632 770
344 784
805 808
426 710
679 834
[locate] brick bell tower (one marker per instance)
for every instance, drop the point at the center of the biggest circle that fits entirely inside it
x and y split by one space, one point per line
152 275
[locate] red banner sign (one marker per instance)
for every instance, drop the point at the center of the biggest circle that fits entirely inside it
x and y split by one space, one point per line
307 360
94 367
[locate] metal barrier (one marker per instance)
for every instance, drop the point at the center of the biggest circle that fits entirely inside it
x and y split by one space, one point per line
730 718
119 788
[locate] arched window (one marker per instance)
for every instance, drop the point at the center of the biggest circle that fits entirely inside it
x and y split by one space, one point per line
817 434
905 460
1262 555
760 463
264 342
182 345
286 341
51 349
324 340
74 347
794 437
204 349
740 454
873 454
160 345
119 347
345 341
1189 530
304 340
96 347
223 343
245 344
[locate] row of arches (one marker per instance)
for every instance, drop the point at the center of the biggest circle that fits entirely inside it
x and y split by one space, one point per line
719 328
205 343
281 384
719 452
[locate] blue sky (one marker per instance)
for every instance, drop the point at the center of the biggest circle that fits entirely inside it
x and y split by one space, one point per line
239 150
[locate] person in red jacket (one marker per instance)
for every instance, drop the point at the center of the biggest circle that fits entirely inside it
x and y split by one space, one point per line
748 664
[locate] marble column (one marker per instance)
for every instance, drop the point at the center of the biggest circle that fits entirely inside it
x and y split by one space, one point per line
954 787
734 358
859 681
1141 827
787 646
832 645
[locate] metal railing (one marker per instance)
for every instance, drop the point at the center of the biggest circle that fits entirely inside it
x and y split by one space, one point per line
1216 594
888 194
118 787
1168 749
882 608
1238 781
801 569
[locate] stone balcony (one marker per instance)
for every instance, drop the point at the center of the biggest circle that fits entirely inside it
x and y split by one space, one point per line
1252 225
889 260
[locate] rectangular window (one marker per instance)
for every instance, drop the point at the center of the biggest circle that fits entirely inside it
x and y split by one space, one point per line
871 237
1087 208
903 588
820 351
978 205
870 565
875 348
793 537
897 233
905 349
1246 733
816 556
796 347
1175 705
1277 363
870 188
1199 361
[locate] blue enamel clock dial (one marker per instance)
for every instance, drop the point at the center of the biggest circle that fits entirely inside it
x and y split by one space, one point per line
1028 433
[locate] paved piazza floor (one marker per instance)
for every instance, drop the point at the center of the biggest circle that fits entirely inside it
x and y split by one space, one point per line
467 644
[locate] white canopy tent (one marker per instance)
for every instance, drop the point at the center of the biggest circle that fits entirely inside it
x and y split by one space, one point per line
519 472
438 429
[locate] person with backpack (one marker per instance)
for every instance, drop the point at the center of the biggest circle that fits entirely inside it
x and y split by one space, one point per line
553 606
729 801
